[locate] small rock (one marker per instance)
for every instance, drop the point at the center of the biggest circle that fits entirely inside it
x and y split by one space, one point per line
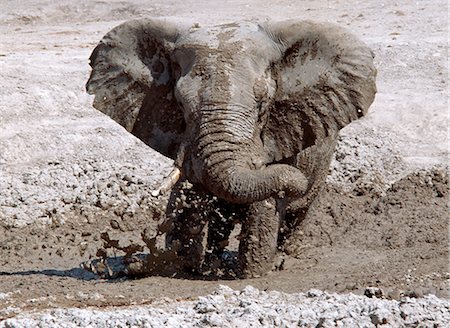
351 286
374 292
377 320
394 294
82 247
135 268
114 224
416 293
60 251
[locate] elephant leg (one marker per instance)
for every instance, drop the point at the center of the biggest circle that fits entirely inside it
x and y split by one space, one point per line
259 234
186 233
288 225
314 162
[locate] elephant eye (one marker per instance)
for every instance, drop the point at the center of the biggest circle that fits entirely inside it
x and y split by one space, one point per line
176 71
158 68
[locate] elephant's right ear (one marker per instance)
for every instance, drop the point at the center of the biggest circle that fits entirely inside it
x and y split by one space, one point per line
133 83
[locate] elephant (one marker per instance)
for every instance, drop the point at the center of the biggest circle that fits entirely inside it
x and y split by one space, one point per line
249 112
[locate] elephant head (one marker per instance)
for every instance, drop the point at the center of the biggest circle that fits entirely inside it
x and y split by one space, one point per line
233 104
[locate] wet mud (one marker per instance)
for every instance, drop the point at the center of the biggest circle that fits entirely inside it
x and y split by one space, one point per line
396 241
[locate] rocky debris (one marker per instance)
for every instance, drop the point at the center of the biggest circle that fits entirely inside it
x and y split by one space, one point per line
356 163
396 293
54 191
374 292
254 308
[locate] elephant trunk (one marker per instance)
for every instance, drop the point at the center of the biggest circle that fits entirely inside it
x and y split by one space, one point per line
245 185
226 153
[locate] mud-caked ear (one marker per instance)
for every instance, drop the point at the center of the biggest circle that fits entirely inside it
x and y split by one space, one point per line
133 83
325 79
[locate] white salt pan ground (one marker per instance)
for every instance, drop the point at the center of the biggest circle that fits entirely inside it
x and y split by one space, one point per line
253 308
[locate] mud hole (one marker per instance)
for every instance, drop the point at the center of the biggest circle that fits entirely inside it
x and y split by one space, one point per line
396 241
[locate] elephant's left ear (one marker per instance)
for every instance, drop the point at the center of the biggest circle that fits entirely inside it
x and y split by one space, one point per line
325 79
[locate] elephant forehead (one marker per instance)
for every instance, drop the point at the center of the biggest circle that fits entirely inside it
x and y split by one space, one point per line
217 37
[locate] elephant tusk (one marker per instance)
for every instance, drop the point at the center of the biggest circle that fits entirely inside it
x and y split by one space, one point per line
168 183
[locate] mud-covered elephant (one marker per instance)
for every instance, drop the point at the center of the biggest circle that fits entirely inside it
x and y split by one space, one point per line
249 112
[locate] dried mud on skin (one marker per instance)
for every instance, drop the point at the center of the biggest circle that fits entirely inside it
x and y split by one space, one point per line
396 241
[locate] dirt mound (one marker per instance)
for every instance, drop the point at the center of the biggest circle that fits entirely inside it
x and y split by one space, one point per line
412 212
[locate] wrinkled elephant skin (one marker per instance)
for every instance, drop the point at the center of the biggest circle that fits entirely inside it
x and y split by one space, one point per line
249 112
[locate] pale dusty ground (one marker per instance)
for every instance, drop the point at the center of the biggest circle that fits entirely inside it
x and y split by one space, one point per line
67 171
